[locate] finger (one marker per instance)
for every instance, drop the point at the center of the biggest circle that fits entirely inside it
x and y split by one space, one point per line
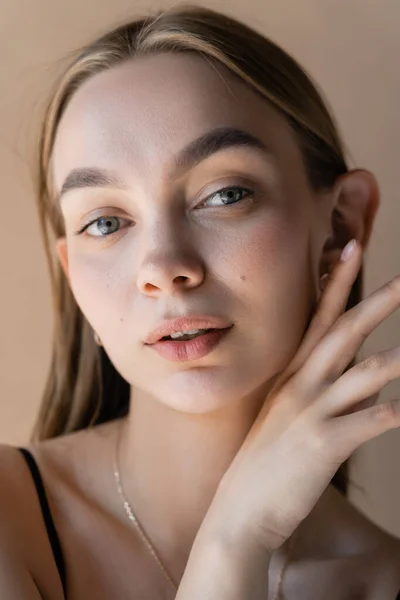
332 304
350 431
333 301
329 359
361 381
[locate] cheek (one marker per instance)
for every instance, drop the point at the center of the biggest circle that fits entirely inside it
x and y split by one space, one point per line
265 255
94 286
273 275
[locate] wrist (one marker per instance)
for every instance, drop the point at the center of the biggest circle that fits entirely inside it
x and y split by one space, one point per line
233 539
224 566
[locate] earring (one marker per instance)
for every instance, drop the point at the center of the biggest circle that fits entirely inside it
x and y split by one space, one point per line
97 339
323 281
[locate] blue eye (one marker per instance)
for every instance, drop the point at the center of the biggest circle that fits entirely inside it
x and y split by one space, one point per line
102 224
229 195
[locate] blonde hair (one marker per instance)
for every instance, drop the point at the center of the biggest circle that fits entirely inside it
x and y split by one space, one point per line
83 388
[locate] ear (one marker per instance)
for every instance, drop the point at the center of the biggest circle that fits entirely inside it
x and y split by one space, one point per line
62 253
356 200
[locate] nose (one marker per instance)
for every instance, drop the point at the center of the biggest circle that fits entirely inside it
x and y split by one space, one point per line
169 266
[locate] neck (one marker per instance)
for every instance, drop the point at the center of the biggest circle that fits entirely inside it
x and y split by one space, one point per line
171 463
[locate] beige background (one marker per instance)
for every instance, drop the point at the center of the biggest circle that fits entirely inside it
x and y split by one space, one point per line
351 48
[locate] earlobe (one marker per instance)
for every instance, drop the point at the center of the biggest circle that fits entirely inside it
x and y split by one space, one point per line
62 253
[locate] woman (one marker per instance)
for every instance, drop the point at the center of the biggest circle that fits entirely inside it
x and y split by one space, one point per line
194 181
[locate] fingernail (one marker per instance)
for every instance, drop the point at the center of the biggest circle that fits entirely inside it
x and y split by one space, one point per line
348 250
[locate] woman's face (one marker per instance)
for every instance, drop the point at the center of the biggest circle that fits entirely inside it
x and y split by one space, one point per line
175 244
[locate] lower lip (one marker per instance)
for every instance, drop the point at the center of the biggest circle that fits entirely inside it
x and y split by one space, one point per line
190 349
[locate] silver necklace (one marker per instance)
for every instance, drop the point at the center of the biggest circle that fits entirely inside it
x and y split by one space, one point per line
132 518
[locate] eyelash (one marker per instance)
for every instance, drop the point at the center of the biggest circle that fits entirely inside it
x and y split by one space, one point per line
231 187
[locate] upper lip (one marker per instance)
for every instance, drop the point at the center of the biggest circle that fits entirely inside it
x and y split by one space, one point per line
186 324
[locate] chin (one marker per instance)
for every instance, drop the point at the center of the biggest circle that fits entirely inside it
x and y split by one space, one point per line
197 391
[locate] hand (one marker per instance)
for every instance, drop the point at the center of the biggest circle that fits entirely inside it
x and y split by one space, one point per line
313 419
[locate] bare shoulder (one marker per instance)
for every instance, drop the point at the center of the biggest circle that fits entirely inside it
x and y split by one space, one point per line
371 554
15 504
379 556
11 497
344 554
24 545
69 470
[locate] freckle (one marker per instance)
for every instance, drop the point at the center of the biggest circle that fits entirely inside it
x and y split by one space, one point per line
121 319
243 277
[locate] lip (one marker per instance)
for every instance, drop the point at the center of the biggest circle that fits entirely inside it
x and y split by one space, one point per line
194 349
186 323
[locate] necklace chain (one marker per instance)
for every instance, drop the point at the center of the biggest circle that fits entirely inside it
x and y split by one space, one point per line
133 519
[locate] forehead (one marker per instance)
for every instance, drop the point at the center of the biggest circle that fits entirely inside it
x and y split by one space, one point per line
133 117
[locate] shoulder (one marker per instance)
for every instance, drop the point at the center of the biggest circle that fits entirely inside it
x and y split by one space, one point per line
15 504
369 574
377 560
381 568
347 555
24 546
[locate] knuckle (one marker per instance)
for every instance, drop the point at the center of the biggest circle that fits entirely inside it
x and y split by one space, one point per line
318 438
374 363
386 411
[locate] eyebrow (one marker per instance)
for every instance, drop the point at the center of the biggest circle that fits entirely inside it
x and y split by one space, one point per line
212 141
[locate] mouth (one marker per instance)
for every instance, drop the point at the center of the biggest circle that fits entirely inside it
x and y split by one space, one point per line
187 336
187 325
191 346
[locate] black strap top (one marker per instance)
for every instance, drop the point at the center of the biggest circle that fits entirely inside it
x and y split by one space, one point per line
48 520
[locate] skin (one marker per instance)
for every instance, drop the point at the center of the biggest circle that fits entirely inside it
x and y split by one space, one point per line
256 263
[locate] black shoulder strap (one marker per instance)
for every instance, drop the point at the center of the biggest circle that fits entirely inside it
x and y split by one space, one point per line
51 530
